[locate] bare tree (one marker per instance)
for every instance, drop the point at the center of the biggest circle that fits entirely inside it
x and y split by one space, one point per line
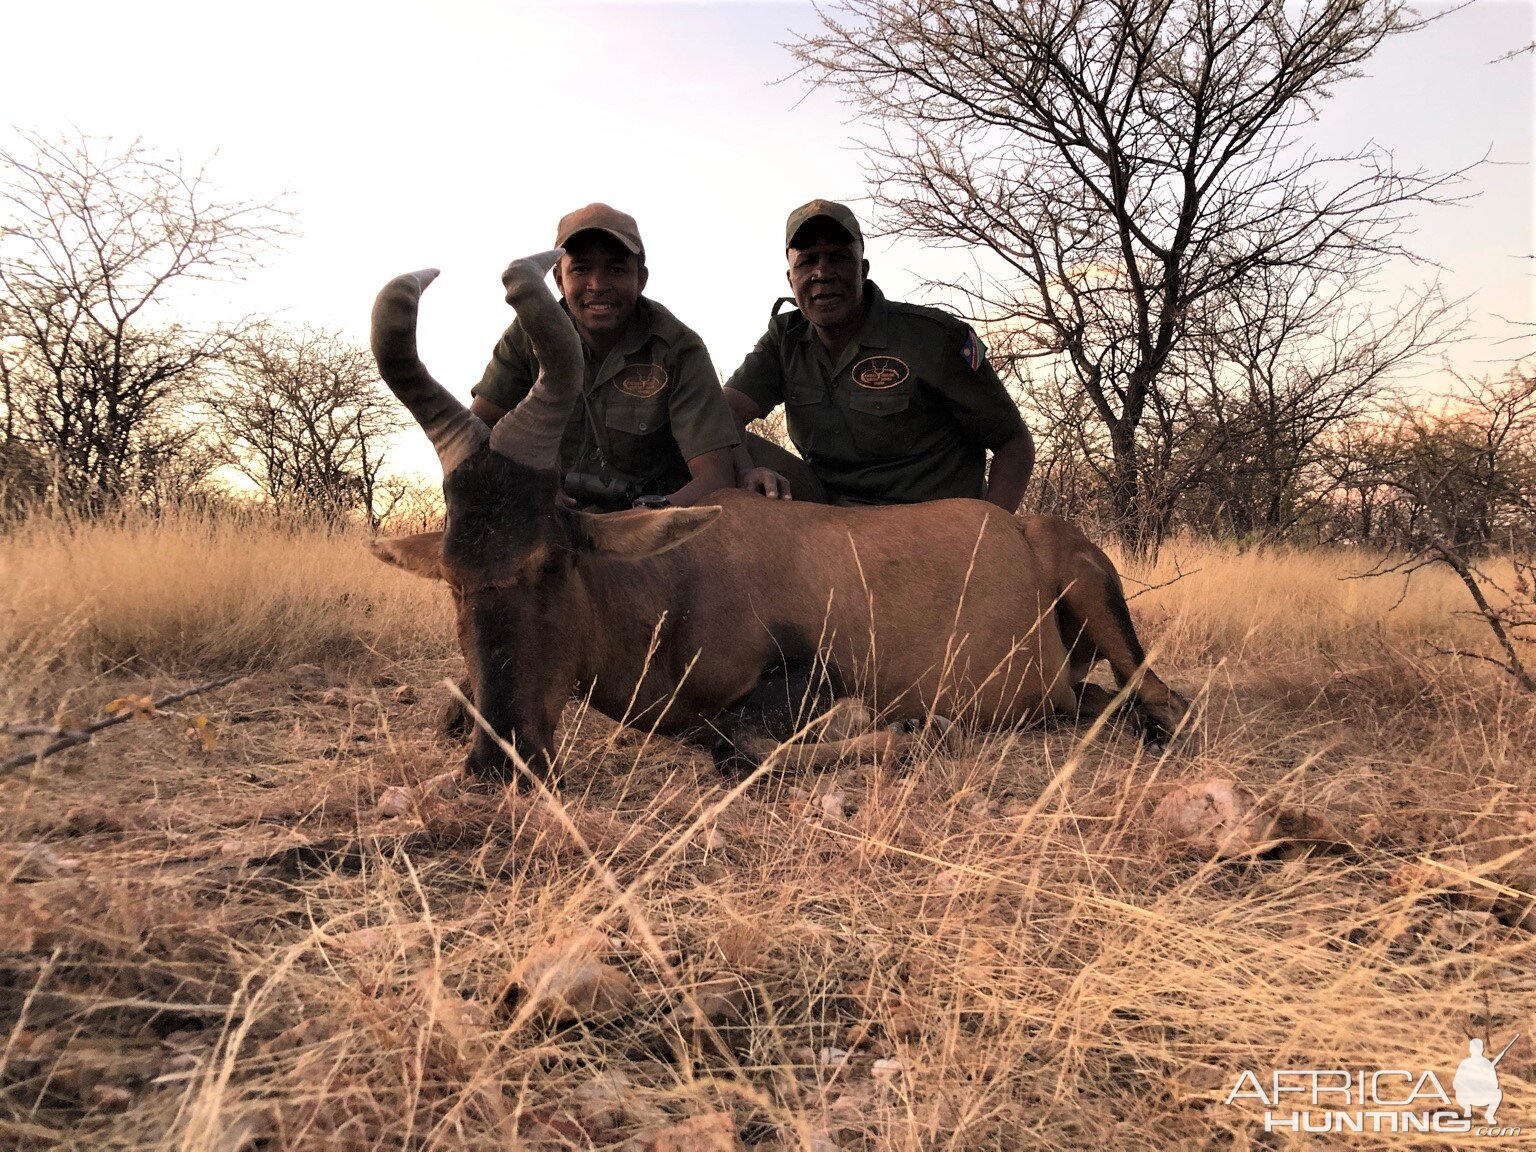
1295 359
1127 163
1464 472
305 417
93 235
1464 481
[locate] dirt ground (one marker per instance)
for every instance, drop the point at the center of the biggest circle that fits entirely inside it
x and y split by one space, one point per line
213 937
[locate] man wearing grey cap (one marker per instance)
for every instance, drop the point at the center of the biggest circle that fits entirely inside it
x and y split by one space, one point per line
887 403
652 426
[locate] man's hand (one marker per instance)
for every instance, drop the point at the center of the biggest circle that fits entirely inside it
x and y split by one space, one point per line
766 481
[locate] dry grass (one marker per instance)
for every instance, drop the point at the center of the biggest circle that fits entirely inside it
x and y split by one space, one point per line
229 948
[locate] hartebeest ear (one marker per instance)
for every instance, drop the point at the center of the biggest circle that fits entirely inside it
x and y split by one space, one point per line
421 554
637 534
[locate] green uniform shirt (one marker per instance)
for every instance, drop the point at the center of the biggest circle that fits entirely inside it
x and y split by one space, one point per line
655 395
906 413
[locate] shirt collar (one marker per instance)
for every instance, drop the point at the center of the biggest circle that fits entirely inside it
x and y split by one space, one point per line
636 333
875 332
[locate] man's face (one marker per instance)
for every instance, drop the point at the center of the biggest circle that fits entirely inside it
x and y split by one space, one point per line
826 275
601 282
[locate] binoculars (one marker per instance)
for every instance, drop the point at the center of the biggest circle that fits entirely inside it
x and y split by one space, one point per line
610 492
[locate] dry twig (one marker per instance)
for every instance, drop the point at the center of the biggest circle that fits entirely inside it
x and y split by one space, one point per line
70 738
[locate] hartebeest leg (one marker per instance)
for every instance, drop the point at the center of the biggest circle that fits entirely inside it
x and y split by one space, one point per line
781 704
844 733
1096 623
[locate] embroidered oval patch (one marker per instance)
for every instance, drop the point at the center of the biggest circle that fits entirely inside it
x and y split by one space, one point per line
878 373
641 381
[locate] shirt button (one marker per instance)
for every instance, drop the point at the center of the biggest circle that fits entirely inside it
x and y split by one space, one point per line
642 425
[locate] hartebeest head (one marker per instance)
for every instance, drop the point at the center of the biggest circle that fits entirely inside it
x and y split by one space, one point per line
512 557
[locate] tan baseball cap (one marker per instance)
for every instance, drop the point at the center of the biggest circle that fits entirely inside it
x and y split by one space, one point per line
839 214
601 218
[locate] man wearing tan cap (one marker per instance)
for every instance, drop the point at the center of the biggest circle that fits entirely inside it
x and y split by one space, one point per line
887 403
652 423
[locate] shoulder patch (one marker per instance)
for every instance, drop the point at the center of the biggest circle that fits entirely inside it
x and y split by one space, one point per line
877 373
641 381
973 352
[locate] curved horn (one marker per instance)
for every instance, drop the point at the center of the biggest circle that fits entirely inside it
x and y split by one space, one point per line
530 433
454 431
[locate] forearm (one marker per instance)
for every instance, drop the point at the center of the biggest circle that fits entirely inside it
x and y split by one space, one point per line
1012 463
741 459
746 410
711 472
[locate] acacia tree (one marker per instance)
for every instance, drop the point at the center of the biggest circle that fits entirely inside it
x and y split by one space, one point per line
305 416
93 235
1127 163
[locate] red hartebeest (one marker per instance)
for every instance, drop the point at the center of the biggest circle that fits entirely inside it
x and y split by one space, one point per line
715 620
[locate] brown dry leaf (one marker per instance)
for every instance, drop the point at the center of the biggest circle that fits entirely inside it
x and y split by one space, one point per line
201 732
137 703
565 981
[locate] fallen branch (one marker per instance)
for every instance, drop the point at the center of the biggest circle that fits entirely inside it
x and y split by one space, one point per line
71 738
1169 583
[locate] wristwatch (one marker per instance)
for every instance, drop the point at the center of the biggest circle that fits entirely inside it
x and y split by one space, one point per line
652 502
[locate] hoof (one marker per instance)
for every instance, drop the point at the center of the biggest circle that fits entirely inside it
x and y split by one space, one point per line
926 736
731 761
933 733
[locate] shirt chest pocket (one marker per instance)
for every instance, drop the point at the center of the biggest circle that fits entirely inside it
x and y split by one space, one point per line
879 403
636 418
884 424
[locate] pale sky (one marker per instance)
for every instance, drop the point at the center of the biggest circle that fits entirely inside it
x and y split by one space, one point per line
455 136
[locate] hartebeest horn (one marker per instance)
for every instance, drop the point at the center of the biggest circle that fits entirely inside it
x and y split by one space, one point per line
455 432
530 433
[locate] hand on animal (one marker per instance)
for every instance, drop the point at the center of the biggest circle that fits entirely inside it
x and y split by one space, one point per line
768 482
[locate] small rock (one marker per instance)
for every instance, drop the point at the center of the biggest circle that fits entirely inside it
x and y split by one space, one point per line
334 698
599 1105
715 1132
721 1000
396 801
886 1070
306 677
831 1057
443 786
1215 818
404 694
565 981
834 806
